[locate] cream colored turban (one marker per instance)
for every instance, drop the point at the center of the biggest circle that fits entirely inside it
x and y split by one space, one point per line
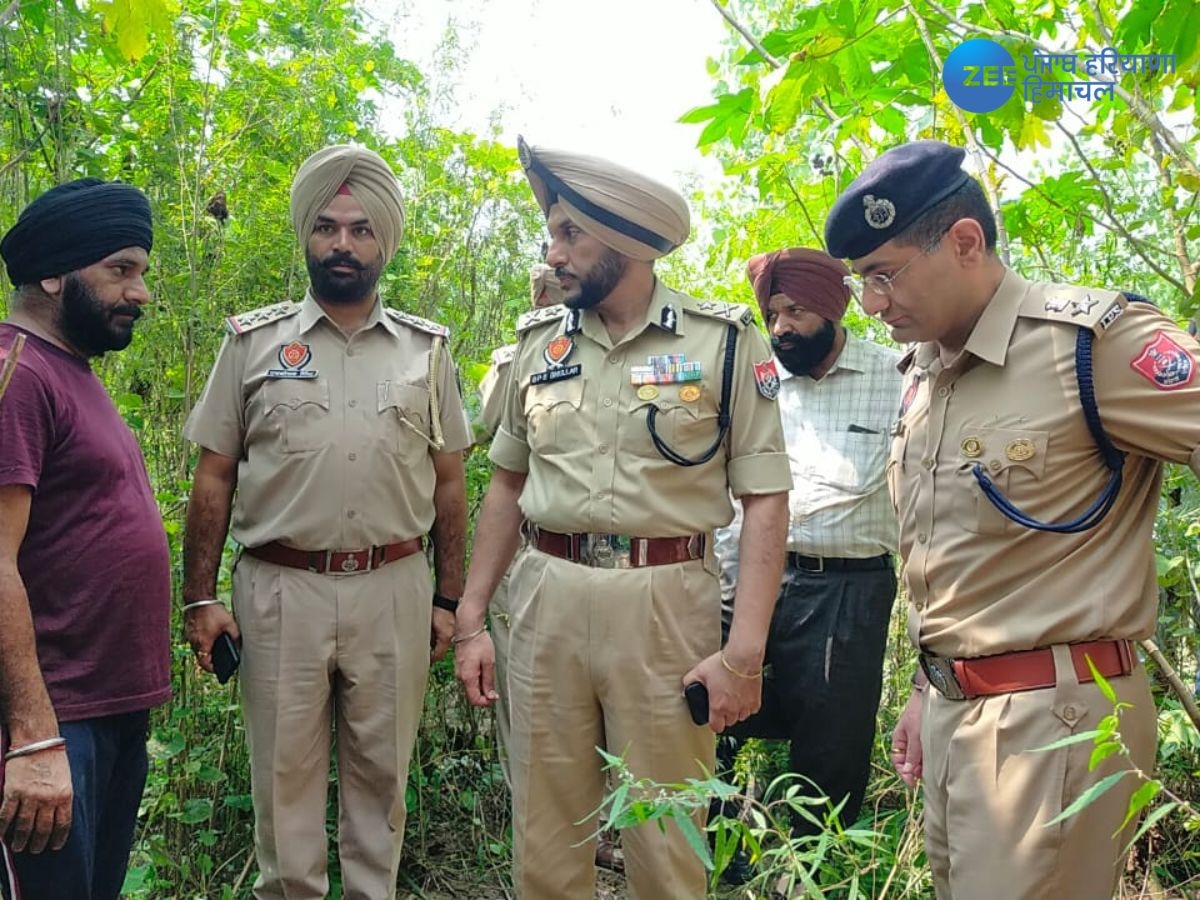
544 287
367 177
629 212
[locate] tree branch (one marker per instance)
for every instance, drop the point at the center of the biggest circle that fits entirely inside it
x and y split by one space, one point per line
976 150
10 12
746 35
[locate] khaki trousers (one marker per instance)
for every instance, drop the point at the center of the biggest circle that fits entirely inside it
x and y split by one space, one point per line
499 613
596 659
316 647
988 796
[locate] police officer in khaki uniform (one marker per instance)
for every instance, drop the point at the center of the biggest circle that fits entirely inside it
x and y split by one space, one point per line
339 422
544 291
631 413
1025 470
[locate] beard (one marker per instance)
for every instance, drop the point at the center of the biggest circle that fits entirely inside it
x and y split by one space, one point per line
597 283
90 326
340 287
801 353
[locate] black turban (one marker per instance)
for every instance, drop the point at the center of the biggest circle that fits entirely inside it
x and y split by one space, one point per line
74 225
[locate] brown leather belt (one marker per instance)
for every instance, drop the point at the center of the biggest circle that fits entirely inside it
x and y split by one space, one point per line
336 562
1023 670
617 551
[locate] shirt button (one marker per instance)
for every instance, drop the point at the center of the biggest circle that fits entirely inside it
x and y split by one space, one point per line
603 448
352 456
922 537
350 514
1070 714
929 463
943 392
353 403
918 605
614 360
608 401
994 465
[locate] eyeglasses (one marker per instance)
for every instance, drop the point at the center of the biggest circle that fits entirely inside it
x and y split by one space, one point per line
885 284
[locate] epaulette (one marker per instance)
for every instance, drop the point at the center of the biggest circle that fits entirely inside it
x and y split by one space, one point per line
1093 308
502 356
417 322
536 317
256 318
734 313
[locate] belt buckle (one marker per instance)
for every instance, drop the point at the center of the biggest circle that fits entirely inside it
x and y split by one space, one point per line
350 564
940 672
606 551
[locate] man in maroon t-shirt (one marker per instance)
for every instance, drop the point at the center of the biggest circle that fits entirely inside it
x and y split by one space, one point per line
84 565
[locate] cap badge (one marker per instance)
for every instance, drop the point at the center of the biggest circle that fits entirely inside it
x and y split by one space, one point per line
880 213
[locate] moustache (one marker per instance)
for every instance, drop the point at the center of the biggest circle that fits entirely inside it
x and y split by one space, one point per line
341 259
134 312
561 273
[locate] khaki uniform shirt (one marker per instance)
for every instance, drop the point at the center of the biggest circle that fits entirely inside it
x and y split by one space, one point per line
981 584
492 389
340 459
584 440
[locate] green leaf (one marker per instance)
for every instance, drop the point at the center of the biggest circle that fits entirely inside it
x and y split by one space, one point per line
1141 798
1101 682
1067 741
695 840
1090 795
196 810
1133 31
1102 752
1150 822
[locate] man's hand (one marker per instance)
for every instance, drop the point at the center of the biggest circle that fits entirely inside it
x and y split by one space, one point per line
201 627
906 741
441 629
730 698
475 666
37 801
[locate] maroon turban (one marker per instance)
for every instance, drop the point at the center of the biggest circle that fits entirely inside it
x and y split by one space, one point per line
808 277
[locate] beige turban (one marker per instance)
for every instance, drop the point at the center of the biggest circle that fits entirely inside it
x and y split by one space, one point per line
631 213
544 287
366 176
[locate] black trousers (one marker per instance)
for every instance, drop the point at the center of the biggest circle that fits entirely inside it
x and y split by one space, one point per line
821 691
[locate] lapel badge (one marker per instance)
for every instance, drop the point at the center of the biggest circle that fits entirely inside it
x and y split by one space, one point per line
668 319
558 351
689 393
293 358
647 392
971 447
1020 450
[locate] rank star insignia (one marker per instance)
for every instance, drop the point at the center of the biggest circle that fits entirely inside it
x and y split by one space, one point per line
1082 307
558 351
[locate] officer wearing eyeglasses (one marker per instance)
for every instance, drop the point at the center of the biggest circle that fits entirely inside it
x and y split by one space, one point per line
1025 470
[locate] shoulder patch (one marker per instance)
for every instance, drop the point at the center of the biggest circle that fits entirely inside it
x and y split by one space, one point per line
502 356
734 313
1093 308
536 317
417 322
256 318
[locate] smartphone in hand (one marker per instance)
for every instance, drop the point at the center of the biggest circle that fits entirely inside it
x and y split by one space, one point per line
696 695
225 657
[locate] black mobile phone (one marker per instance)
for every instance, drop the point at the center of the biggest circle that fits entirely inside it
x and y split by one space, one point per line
225 657
696 695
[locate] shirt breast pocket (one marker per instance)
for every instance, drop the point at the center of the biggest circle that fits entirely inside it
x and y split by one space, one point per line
300 409
854 461
688 428
404 419
1015 461
551 413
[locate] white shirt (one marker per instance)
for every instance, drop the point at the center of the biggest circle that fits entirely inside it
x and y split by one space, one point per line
837 432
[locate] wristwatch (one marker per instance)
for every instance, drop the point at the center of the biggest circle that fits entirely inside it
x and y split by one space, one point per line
447 603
